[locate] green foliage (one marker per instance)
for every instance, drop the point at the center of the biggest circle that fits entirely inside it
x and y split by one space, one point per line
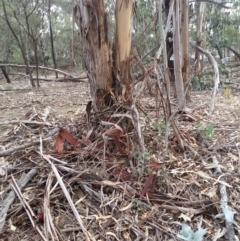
187 234
138 203
200 81
142 157
158 126
207 130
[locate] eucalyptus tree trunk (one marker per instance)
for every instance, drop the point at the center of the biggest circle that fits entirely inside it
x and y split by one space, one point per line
199 32
51 37
73 39
169 42
122 44
185 53
35 42
108 81
177 47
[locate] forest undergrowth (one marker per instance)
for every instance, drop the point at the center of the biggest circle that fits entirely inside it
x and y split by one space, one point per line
82 175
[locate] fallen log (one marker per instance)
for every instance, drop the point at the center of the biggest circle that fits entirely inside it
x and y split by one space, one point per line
65 79
39 67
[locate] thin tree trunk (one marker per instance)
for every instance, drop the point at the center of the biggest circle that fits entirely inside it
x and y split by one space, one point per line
219 51
28 70
199 32
36 60
185 54
169 42
51 37
177 57
6 74
45 58
73 39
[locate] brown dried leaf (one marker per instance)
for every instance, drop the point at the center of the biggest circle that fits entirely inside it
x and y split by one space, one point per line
68 137
113 132
58 143
148 183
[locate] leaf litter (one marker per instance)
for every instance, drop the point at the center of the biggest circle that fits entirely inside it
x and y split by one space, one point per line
69 176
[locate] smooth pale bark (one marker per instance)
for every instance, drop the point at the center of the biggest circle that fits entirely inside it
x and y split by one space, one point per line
177 57
122 43
199 32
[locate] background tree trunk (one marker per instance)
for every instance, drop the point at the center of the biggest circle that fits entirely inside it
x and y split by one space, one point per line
185 54
51 37
169 42
199 32
177 56
6 74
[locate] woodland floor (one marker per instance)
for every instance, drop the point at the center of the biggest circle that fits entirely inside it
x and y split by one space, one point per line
181 188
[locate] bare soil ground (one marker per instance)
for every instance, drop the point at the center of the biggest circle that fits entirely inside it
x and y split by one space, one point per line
183 187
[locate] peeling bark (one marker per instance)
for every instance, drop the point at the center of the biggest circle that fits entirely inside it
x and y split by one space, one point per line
91 19
122 44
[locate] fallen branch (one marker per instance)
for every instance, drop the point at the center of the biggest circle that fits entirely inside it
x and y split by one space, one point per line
69 199
27 207
25 122
75 79
11 196
39 67
11 150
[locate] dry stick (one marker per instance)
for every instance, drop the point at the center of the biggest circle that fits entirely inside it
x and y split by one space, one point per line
123 187
25 178
216 75
48 221
11 150
28 209
75 79
25 122
67 195
135 118
39 67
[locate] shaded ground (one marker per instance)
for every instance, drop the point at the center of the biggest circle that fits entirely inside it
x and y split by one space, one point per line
106 188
